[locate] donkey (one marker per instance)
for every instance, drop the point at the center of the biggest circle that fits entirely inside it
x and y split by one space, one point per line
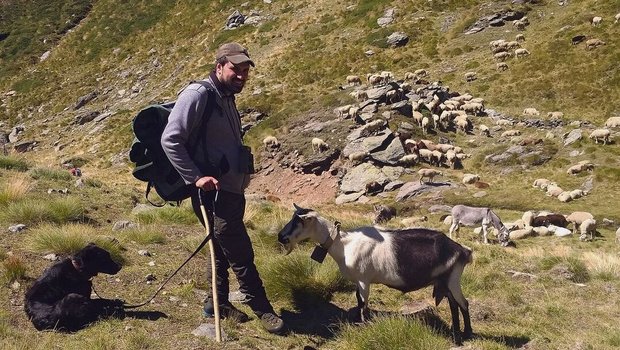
470 216
406 260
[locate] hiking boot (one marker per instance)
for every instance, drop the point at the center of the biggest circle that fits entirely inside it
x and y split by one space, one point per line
227 310
271 322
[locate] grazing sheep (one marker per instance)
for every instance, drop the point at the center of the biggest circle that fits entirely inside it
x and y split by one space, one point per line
451 159
531 112
600 134
587 226
519 24
420 73
470 216
593 43
511 133
318 145
383 213
617 18
374 79
502 56
577 217
596 21
413 220
406 260
270 142
417 117
520 37
502 66
612 122
521 53
555 115
360 95
484 130
409 160
470 76
462 124
343 111
426 155
357 157
372 127
618 230
428 173
354 80
503 122
469 179
409 76
425 124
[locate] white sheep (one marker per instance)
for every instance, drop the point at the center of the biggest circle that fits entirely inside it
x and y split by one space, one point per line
425 124
426 154
374 79
462 123
531 112
354 80
578 168
502 66
600 135
409 159
576 194
618 230
360 95
617 18
511 133
469 179
596 21
521 53
357 157
520 37
542 183
421 72
502 56
372 127
417 117
577 217
270 142
593 43
503 122
613 122
587 226
519 24
555 115
565 197
318 145
470 76
413 220
554 190
484 130
428 173
343 111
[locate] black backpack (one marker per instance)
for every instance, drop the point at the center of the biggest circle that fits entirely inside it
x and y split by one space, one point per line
151 163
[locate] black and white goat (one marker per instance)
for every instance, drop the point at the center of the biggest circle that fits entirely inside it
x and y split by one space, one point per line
405 260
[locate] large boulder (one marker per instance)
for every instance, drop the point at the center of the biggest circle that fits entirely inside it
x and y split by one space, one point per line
358 177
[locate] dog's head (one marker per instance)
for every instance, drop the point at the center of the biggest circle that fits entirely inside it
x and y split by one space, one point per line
92 259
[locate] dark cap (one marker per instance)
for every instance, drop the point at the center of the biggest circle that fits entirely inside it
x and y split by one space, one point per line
234 53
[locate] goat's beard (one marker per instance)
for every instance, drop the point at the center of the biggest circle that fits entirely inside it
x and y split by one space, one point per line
288 248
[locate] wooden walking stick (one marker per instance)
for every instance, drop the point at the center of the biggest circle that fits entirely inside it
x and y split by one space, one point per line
216 304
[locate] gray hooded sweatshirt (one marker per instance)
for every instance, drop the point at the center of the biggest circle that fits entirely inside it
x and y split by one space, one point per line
222 133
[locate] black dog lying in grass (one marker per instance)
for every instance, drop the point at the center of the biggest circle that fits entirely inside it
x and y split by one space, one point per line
60 298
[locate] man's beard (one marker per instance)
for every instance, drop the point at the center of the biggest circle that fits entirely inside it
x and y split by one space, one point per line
234 88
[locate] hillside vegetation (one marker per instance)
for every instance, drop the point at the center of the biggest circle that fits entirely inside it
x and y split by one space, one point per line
545 293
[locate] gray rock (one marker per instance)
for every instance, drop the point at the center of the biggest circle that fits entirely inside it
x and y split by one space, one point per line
479 194
391 154
45 55
377 94
319 162
14 134
386 19
573 137
393 173
25 146
440 208
17 228
83 100
588 185
50 257
236 19
394 185
412 189
124 225
85 117
236 297
367 144
357 178
348 197
207 330
397 39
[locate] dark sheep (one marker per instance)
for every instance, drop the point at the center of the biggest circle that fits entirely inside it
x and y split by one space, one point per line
577 39
551 219
60 298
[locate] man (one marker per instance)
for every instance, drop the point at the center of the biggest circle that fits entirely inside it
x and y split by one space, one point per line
222 140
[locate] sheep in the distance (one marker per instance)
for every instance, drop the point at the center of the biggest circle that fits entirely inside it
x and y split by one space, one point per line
593 43
470 76
469 179
271 142
596 21
501 66
612 122
579 167
484 130
318 145
409 160
413 220
532 112
406 260
354 80
602 135
578 217
521 53
588 226
520 38
428 173
357 157
555 115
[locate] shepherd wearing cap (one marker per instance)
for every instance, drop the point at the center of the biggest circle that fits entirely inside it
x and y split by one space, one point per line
219 143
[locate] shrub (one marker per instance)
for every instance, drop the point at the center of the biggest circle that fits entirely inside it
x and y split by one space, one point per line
12 163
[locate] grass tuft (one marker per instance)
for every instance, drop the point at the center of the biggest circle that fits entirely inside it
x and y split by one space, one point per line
31 211
167 215
14 189
13 163
50 174
14 268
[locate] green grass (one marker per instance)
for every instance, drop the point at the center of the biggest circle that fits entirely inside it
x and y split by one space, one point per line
32 212
167 215
14 268
13 163
50 174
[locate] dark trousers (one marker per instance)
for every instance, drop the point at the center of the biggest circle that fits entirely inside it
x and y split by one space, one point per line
233 248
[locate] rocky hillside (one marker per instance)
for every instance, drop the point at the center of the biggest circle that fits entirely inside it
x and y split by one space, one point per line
75 72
